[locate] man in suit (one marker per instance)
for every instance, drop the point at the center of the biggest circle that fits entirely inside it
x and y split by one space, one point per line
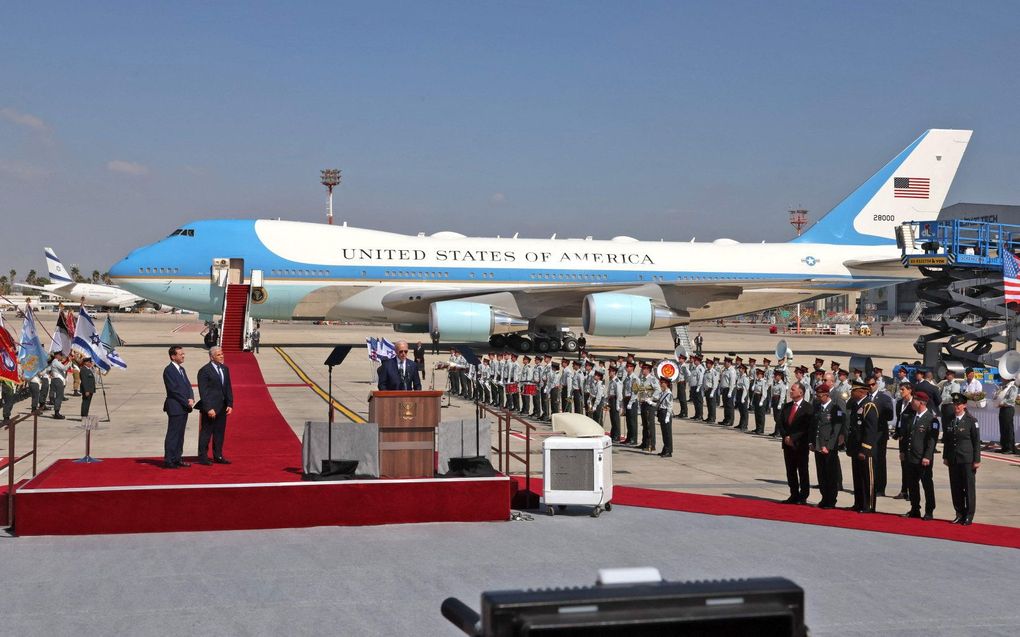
904 414
215 404
918 436
88 385
826 432
793 427
180 400
419 358
398 373
961 452
886 413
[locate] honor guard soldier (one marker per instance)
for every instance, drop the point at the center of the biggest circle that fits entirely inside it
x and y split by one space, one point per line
524 381
484 375
818 378
647 386
1005 396
614 393
680 395
741 397
709 386
800 376
578 389
917 451
727 384
901 377
589 385
631 382
961 452
827 430
857 376
597 397
545 404
514 379
664 415
777 398
817 366
947 387
759 399
876 373
841 390
861 438
694 379
554 390
567 386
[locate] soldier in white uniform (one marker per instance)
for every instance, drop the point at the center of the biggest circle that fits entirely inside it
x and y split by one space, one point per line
680 395
759 399
1005 398
614 397
697 376
554 390
777 398
947 387
580 378
741 397
727 385
566 386
526 379
647 387
664 415
597 397
630 402
710 387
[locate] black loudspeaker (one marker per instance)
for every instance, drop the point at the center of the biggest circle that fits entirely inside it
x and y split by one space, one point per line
334 470
471 467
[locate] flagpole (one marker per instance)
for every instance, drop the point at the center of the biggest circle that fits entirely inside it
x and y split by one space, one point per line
105 404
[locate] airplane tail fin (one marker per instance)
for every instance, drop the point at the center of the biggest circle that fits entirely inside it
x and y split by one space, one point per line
56 270
911 187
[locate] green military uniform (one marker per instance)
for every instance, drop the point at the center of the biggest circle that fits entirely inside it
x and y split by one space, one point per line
961 452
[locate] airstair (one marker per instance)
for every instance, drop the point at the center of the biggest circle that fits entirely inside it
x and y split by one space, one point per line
682 336
962 290
233 330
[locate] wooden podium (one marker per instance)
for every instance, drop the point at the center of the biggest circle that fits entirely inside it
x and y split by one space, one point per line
407 431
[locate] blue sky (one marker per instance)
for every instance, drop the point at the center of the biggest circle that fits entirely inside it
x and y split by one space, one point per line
120 121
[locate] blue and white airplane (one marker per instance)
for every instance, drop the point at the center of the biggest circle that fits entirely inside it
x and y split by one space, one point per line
472 288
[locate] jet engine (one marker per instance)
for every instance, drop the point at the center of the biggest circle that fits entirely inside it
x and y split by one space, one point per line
468 321
613 314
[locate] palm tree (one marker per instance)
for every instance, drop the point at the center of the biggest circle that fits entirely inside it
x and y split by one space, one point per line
95 276
14 275
76 274
106 278
3 284
32 277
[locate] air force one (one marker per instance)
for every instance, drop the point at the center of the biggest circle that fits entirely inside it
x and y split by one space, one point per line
88 293
477 288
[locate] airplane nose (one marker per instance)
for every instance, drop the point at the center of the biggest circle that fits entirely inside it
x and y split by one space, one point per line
126 266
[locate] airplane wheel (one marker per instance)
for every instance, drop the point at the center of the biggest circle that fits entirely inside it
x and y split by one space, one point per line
542 345
525 345
555 345
569 345
497 341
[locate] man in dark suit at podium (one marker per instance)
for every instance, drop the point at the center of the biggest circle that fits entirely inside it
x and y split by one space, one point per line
180 400
217 402
399 373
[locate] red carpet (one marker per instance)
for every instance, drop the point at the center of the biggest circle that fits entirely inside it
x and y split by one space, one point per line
261 489
989 534
259 443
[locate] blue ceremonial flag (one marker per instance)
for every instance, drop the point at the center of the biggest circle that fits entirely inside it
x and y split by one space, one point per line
385 349
87 342
109 335
31 355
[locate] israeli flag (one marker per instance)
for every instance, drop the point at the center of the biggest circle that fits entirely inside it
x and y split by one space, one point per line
87 342
385 349
31 355
372 347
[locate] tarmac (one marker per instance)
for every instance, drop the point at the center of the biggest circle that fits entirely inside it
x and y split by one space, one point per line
707 459
392 579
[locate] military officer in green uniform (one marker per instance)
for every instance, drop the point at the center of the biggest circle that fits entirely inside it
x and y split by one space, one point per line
961 452
861 440
918 436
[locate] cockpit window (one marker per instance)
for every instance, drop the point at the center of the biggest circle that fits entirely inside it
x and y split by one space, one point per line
184 232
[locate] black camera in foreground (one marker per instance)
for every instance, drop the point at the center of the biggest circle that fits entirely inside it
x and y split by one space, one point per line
636 602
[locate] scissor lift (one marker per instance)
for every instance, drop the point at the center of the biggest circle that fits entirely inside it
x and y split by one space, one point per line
962 263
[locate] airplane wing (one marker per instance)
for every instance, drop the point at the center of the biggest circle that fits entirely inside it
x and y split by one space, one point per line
60 289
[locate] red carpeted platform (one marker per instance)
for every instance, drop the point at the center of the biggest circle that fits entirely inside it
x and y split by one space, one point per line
261 489
989 534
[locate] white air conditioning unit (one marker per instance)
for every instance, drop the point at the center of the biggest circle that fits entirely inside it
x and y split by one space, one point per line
578 471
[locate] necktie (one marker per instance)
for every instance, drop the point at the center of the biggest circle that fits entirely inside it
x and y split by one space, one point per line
183 375
220 371
793 412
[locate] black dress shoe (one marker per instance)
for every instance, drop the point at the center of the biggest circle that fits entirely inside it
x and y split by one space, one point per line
957 519
966 522
928 516
666 455
169 465
181 463
900 496
205 461
59 417
911 514
790 500
221 460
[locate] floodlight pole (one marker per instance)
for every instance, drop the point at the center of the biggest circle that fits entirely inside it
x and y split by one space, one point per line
330 178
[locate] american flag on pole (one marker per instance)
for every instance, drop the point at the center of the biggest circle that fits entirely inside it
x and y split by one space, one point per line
1011 278
911 187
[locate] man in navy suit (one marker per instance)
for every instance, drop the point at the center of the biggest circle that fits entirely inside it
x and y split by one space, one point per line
399 373
180 400
217 402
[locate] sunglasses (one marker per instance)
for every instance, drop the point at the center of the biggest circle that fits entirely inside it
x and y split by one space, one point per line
401 351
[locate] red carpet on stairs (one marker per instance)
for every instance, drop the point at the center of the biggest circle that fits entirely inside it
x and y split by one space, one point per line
259 443
993 535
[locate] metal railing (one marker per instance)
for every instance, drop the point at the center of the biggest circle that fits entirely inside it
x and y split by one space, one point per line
957 242
505 423
14 459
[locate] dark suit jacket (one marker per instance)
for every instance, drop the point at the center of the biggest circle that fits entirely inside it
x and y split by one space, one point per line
178 391
961 441
826 426
934 395
419 354
389 375
88 380
214 394
918 437
799 429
